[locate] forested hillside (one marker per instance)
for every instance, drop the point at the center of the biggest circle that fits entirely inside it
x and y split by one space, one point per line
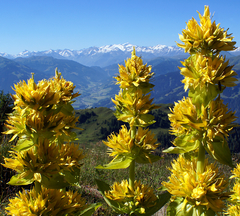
98 123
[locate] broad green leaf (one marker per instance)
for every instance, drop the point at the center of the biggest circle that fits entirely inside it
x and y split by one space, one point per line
204 95
19 181
102 185
121 162
72 177
67 109
221 151
56 181
148 119
143 159
23 144
184 144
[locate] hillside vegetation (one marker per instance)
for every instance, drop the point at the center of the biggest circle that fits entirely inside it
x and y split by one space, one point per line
98 123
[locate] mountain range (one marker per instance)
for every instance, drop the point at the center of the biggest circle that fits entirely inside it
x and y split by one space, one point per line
104 55
96 84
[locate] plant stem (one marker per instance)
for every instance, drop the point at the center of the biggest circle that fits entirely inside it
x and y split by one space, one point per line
37 187
133 132
132 165
201 159
132 174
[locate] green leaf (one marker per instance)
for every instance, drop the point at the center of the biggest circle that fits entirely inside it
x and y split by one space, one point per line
72 177
90 209
143 159
15 180
162 200
162 188
204 95
23 144
56 181
221 151
67 109
184 144
121 162
148 119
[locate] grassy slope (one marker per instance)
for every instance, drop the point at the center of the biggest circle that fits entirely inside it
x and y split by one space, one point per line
100 122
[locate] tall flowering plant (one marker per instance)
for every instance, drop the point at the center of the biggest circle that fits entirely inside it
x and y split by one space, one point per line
134 143
201 122
45 153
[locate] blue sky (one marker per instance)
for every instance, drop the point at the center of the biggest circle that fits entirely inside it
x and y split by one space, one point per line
77 24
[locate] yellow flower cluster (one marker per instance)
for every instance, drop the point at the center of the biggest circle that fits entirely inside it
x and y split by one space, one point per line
206 36
201 122
133 102
198 189
136 200
215 120
44 160
133 145
44 155
134 74
47 202
234 207
120 143
201 70
26 122
141 146
183 112
44 94
44 109
135 107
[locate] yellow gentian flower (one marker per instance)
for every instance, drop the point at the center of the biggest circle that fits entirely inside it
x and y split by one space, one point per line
134 108
46 159
234 206
31 164
214 120
63 87
47 202
35 96
205 36
205 188
134 73
200 70
142 145
120 143
140 198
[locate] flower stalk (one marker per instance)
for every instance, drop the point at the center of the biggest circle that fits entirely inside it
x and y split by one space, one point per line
201 122
133 145
200 159
44 154
132 175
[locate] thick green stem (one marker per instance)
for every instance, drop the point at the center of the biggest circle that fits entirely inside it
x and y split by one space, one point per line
132 174
201 159
132 165
37 187
133 132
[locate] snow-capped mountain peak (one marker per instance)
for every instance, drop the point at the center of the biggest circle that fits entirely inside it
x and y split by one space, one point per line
99 56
